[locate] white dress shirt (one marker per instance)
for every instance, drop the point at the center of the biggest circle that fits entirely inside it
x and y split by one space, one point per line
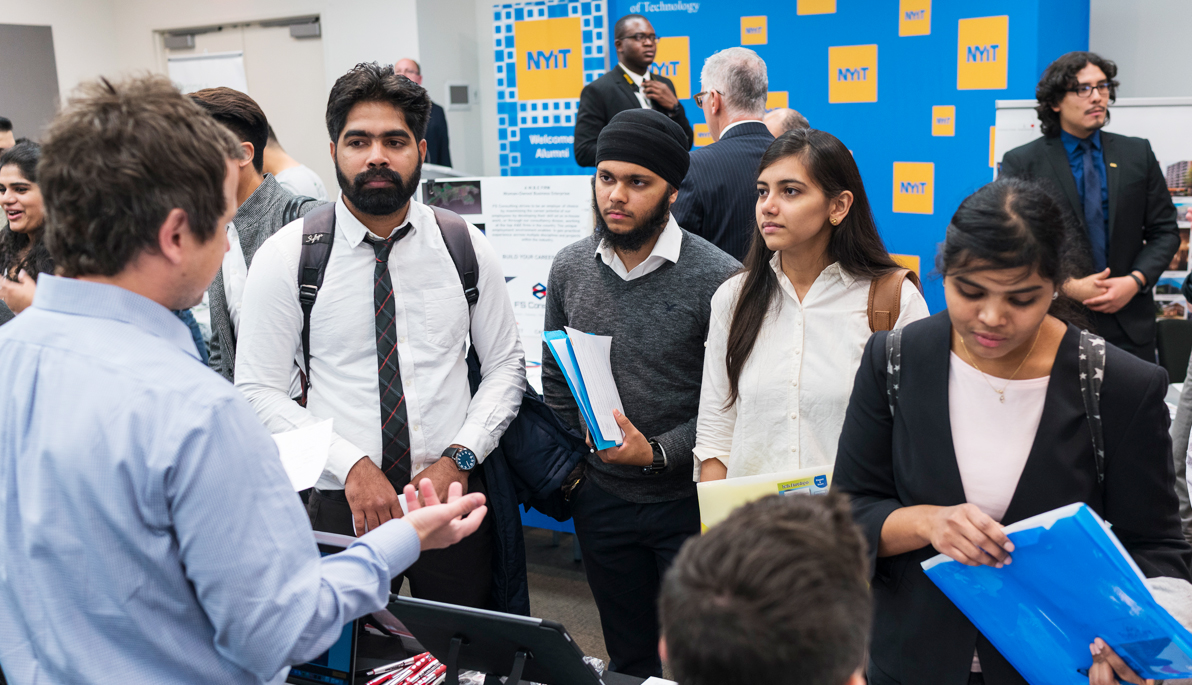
728 128
431 319
666 249
796 384
235 271
638 81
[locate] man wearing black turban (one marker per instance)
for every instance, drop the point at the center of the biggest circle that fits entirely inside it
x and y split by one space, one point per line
648 284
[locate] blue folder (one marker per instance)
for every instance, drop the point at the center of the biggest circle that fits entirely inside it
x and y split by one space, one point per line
1070 581
578 390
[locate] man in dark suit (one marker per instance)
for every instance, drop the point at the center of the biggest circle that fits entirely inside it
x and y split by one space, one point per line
438 144
718 198
1117 191
629 85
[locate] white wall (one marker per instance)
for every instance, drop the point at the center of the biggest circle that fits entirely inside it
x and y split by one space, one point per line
1149 41
488 87
447 41
83 35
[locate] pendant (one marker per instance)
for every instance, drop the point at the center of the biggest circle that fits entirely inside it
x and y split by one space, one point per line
1001 398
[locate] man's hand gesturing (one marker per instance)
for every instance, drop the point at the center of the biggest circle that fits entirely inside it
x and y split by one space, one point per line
442 525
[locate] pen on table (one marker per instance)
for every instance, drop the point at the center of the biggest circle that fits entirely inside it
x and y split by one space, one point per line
417 673
401 673
432 676
393 666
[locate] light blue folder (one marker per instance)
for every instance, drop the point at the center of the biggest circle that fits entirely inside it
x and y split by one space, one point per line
1070 581
575 381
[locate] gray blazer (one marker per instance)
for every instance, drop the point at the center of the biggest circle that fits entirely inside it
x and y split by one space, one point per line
258 218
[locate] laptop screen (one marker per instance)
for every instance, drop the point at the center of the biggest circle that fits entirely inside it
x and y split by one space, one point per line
336 665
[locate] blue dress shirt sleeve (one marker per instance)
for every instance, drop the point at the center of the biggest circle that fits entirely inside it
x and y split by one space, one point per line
246 545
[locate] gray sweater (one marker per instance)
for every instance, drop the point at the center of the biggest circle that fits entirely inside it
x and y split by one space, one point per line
658 324
258 218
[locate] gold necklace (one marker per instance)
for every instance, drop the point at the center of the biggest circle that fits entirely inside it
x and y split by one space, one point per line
1001 394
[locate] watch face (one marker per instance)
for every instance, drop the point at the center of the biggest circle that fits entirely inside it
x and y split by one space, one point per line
465 459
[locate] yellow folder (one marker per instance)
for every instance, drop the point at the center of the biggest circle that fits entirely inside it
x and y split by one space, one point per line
719 497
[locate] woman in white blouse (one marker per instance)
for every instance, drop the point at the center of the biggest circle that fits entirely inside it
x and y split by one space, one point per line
786 334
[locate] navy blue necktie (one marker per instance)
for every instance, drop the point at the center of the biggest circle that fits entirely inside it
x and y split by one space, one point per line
395 432
1094 218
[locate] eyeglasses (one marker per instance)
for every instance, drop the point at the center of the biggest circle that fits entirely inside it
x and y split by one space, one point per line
643 38
1084 90
699 97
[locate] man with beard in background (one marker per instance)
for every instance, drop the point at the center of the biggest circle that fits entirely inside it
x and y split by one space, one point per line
387 337
648 284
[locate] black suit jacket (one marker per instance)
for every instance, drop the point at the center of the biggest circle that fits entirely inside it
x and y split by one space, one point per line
603 99
718 198
885 463
1142 219
438 145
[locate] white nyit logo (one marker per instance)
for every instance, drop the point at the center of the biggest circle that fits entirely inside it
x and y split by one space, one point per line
688 7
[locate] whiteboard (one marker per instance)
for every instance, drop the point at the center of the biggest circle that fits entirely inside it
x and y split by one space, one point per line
1166 122
196 72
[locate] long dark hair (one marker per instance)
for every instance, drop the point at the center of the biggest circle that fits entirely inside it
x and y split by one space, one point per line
1059 78
13 245
1013 224
854 244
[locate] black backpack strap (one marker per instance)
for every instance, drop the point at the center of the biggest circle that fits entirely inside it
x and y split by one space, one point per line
463 254
318 233
1092 373
893 367
293 208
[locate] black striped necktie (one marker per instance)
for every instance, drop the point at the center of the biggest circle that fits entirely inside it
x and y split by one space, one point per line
395 430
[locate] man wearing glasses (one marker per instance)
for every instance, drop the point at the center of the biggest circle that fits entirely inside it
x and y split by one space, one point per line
1116 191
629 85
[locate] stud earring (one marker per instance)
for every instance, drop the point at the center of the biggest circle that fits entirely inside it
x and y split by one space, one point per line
834 221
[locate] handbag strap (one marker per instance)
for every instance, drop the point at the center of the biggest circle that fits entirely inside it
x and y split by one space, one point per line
1092 373
885 299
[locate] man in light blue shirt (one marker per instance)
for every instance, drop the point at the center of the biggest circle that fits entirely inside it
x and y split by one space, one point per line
148 531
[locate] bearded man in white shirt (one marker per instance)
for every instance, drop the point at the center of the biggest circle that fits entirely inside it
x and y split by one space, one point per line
387 337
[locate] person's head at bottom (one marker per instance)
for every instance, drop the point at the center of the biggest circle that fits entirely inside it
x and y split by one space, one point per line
641 159
776 593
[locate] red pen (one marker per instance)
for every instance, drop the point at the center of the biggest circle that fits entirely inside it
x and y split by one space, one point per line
432 676
418 673
397 665
400 674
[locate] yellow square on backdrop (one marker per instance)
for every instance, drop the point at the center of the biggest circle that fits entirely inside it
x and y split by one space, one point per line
914 17
702 135
673 60
550 58
777 99
943 120
982 52
816 7
992 139
852 73
907 261
914 187
753 30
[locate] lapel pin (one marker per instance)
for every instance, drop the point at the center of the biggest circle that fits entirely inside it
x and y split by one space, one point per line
1113 164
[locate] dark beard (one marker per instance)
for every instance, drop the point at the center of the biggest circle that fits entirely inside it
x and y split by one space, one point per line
379 201
646 229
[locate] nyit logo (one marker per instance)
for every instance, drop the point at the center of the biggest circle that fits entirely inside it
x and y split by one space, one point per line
982 53
672 60
546 60
852 73
914 17
943 120
538 291
753 31
914 187
549 58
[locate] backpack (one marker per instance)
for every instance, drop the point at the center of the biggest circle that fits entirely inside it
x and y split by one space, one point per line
1092 373
293 208
885 298
540 449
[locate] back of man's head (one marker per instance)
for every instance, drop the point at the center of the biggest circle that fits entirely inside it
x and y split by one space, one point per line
776 593
781 120
241 114
739 75
117 160
5 125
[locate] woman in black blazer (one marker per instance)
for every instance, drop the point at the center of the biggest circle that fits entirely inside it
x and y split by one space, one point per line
1002 262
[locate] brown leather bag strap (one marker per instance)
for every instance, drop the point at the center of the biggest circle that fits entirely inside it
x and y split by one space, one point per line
885 298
